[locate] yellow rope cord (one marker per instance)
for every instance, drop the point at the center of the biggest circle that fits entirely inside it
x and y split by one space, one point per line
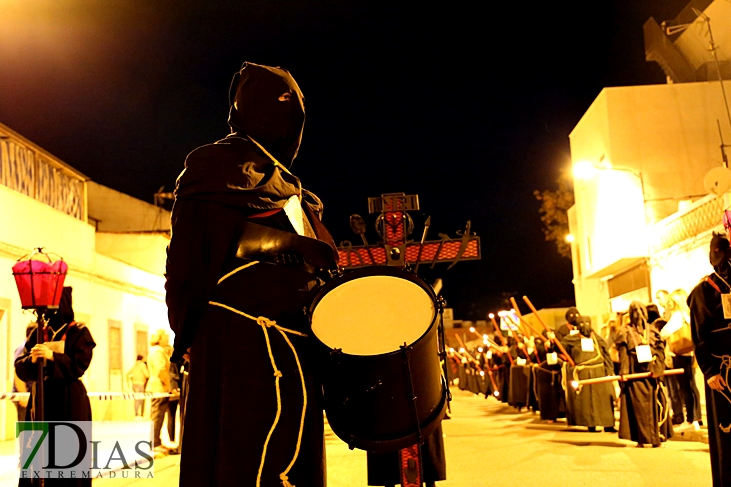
237 270
266 323
277 375
283 475
252 318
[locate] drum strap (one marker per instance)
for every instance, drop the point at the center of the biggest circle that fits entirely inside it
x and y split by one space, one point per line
265 324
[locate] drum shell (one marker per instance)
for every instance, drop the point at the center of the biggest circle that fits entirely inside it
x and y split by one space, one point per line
368 398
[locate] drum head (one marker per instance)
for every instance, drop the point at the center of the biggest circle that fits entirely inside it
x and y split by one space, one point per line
373 314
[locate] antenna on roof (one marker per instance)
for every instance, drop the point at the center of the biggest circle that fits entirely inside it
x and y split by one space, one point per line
160 196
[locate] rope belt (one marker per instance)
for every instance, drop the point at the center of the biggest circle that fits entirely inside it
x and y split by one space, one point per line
725 364
588 364
265 324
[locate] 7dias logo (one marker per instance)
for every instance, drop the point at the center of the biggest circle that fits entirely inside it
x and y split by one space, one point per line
85 449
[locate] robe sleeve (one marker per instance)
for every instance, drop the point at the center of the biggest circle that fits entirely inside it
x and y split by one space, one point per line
76 358
657 367
621 343
204 235
702 302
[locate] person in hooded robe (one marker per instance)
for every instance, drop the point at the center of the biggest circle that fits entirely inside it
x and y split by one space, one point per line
247 254
571 326
641 349
710 320
68 354
589 405
520 372
547 381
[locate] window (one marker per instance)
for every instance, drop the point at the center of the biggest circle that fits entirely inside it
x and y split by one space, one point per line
142 340
115 355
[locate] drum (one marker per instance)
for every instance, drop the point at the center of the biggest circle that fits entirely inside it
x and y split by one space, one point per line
382 381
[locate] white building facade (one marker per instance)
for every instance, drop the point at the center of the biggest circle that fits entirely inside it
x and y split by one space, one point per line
115 248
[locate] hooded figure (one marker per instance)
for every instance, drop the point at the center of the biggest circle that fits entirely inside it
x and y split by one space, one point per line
643 408
591 405
246 250
711 331
65 397
572 321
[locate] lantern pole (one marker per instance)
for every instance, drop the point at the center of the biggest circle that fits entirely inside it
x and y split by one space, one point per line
38 406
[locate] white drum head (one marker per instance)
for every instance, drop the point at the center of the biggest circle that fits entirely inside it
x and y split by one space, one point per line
373 315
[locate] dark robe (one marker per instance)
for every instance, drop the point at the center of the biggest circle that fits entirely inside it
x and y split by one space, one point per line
65 397
383 468
592 405
519 391
547 385
246 416
712 339
501 373
643 407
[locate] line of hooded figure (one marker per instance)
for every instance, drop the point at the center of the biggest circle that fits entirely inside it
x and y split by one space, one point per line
546 373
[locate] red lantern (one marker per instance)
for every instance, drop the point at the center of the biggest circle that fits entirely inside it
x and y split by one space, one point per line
39 280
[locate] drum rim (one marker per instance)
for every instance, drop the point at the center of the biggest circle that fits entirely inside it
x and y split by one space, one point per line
375 271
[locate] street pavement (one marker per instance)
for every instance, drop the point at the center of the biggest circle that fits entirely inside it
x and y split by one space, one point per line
490 444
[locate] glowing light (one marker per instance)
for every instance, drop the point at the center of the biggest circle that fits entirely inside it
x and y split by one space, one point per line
496 393
485 337
575 384
491 315
584 170
570 238
451 350
485 342
461 350
512 310
482 373
472 329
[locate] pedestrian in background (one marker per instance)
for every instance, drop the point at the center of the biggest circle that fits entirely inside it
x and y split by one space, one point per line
158 362
137 378
174 371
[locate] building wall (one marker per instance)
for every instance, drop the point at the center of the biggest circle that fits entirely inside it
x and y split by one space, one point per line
648 129
645 143
105 288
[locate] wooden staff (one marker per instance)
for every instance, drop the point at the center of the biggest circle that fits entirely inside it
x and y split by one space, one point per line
523 320
522 337
622 378
548 330
499 333
475 361
483 338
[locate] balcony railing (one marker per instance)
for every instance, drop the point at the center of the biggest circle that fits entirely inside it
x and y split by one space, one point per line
33 172
683 226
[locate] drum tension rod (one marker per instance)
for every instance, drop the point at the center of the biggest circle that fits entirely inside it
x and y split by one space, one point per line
406 349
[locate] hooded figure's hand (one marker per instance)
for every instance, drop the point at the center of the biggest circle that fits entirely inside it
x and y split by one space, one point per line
40 351
717 383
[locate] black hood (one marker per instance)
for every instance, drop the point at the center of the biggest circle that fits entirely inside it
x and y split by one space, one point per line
266 105
65 312
572 316
719 255
638 315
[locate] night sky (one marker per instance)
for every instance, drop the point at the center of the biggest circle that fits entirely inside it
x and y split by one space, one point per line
470 108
